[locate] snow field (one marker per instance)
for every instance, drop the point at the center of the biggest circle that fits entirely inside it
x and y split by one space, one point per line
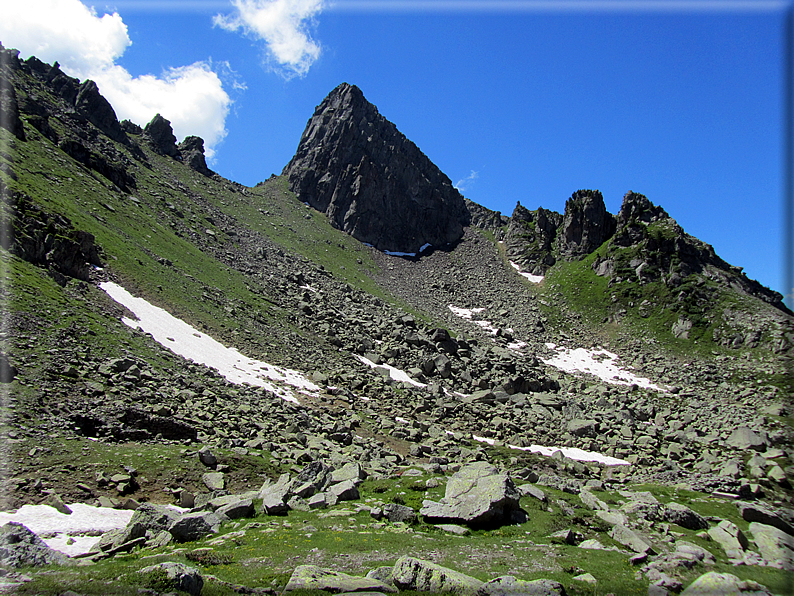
187 341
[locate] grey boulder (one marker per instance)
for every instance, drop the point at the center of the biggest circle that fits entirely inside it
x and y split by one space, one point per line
311 577
477 495
508 585
724 584
423 576
178 576
20 547
194 526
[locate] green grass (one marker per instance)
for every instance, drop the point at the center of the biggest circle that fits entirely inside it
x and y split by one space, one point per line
263 551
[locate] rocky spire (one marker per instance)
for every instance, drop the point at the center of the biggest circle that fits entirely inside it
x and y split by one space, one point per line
370 180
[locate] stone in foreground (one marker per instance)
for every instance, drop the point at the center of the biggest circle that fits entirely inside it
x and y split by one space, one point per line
20 547
508 585
311 577
477 495
423 576
178 576
724 584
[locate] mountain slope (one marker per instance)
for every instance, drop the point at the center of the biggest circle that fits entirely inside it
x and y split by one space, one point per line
699 350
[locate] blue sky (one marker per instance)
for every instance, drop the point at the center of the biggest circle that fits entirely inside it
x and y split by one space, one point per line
514 100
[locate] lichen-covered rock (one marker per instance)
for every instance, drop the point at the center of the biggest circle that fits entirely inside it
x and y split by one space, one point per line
776 546
724 584
154 518
311 577
477 495
175 576
684 517
398 513
423 576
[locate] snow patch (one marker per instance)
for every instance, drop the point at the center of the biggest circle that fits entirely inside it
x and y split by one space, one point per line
57 529
570 452
487 326
574 453
393 253
182 339
394 373
465 313
535 279
598 362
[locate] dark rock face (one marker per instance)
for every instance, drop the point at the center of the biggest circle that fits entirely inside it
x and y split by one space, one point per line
97 110
192 151
49 241
370 180
585 225
486 219
9 109
161 136
530 238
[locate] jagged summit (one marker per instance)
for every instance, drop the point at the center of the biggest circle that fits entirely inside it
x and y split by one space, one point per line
371 181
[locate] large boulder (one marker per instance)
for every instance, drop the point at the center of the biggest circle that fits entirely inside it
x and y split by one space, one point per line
775 546
746 438
683 516
176 576
311 577
730 538
154 518
423 576
19 547
274 496
724 584
194 526
371 181
477 495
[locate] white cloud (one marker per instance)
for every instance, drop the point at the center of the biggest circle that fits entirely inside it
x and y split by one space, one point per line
282 25
466 182
66 31
191 97
87 47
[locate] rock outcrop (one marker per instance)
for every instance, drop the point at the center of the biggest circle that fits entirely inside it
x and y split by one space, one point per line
161 136
371 181
585 225
192 151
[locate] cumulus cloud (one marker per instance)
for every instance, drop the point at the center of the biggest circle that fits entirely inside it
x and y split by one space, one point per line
87 46
283 25
465 183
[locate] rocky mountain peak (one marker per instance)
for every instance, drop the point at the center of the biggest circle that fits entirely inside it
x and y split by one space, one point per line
371 181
